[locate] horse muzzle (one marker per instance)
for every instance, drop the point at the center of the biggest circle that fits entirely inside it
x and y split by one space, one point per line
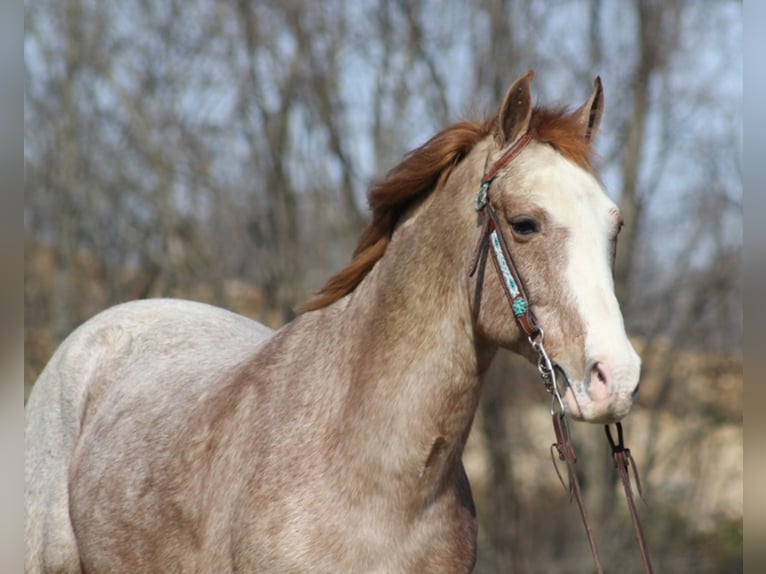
606 391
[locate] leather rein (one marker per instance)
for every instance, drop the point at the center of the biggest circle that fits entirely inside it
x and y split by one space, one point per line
491 241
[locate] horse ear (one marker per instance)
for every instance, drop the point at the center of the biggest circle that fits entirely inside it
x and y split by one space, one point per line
589 114
515 111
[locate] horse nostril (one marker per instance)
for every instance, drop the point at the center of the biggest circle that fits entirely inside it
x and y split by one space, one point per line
635 391
599 384
599 373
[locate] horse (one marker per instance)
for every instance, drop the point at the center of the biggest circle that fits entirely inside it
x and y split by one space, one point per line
173 436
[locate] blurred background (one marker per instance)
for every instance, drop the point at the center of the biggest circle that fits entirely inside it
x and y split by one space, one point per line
220 151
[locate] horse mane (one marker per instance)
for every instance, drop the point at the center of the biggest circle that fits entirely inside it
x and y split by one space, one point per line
561 129
426 168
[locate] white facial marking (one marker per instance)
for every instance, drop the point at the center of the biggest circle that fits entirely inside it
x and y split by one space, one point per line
574 200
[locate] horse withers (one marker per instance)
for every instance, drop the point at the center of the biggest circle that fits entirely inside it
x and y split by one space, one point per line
171 436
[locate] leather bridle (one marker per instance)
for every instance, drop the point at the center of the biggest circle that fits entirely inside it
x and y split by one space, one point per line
492 243
491 239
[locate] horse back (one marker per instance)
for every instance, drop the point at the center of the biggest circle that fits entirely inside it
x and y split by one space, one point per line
160 350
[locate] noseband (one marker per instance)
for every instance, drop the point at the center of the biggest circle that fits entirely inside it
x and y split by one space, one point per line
491 235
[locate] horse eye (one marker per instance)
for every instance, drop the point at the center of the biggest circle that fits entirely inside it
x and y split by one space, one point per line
525 226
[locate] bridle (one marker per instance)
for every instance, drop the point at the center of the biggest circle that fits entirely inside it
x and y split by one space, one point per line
492 235
492 243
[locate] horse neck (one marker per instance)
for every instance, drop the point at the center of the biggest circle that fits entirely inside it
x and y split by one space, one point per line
414 361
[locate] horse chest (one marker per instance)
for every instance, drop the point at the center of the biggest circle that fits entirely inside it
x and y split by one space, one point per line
318 532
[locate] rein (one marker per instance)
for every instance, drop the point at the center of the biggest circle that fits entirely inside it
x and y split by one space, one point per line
491 236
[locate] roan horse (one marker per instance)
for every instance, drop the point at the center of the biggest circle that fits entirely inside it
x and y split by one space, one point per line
171 436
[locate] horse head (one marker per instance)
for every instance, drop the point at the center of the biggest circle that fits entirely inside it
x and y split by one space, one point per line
560 230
